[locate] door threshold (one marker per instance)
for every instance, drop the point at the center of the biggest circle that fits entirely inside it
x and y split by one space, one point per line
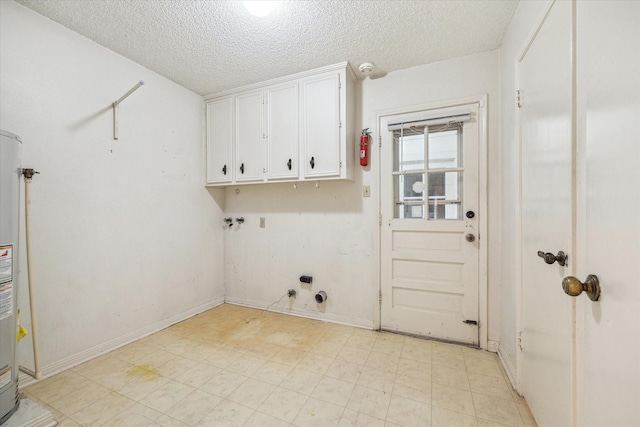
440 340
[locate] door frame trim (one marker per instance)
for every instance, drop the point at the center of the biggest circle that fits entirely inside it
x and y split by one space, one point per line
517 381
483 303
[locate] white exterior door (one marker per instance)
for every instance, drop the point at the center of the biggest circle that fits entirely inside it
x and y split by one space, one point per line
547 218
429 208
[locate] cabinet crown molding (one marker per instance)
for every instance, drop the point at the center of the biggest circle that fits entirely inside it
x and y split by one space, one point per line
308 73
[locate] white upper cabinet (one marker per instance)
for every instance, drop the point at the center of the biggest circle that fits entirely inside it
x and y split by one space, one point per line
219 140
249 137
320 136
294 128
282 131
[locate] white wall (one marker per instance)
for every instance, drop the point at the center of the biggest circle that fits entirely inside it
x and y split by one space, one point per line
330 232
125 235
522 24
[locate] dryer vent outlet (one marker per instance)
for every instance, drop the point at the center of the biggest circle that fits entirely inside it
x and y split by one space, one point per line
321 297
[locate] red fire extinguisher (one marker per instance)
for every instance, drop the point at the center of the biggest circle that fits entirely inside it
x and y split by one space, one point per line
364 147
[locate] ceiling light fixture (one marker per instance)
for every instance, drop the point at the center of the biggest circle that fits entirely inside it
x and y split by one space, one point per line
259 8
366 68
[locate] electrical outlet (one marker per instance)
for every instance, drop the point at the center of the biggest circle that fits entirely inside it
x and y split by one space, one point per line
262 222
366 191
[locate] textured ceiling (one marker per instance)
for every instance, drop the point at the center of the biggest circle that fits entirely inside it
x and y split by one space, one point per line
209 46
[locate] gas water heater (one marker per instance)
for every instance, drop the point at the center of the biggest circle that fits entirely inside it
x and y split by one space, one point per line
10 172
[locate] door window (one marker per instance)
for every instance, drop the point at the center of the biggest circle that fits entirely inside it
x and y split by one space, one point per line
433 192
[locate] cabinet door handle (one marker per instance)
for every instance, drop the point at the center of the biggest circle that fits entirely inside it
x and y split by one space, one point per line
242 168
224 169
289 164
312 163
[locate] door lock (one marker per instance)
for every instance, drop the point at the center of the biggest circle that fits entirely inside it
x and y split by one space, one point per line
470 237
550 258
470 214
574 287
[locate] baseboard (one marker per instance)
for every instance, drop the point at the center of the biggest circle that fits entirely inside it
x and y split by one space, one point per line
25 380
508 366
31 414
326 317
493 346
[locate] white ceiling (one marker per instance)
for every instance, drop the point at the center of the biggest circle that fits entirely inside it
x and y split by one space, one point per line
209 46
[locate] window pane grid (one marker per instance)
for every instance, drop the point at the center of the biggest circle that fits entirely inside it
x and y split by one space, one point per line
428 160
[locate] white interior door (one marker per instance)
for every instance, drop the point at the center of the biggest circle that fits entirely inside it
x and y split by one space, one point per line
545 73
429 207
608 204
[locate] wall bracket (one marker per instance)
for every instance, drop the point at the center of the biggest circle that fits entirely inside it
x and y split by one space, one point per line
115 107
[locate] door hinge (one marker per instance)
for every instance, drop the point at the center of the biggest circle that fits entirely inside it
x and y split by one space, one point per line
379 141
470 322
518 99
340 164
520 340
380 297
340 125
379 219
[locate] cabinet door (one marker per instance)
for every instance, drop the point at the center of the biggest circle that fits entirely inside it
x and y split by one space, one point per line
219 140
249 147
282 131
321 125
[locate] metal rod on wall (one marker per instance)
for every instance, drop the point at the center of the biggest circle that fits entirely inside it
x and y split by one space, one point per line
115 107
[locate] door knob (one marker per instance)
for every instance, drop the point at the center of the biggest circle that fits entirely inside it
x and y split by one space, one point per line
550 258
574 287
470 237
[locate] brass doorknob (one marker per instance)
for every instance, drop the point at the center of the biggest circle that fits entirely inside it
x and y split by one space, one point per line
550 258
574 287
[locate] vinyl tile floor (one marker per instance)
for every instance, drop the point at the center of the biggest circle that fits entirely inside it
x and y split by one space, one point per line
236 366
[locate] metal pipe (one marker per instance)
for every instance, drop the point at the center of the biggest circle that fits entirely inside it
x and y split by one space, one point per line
28 173
133 89
27 371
